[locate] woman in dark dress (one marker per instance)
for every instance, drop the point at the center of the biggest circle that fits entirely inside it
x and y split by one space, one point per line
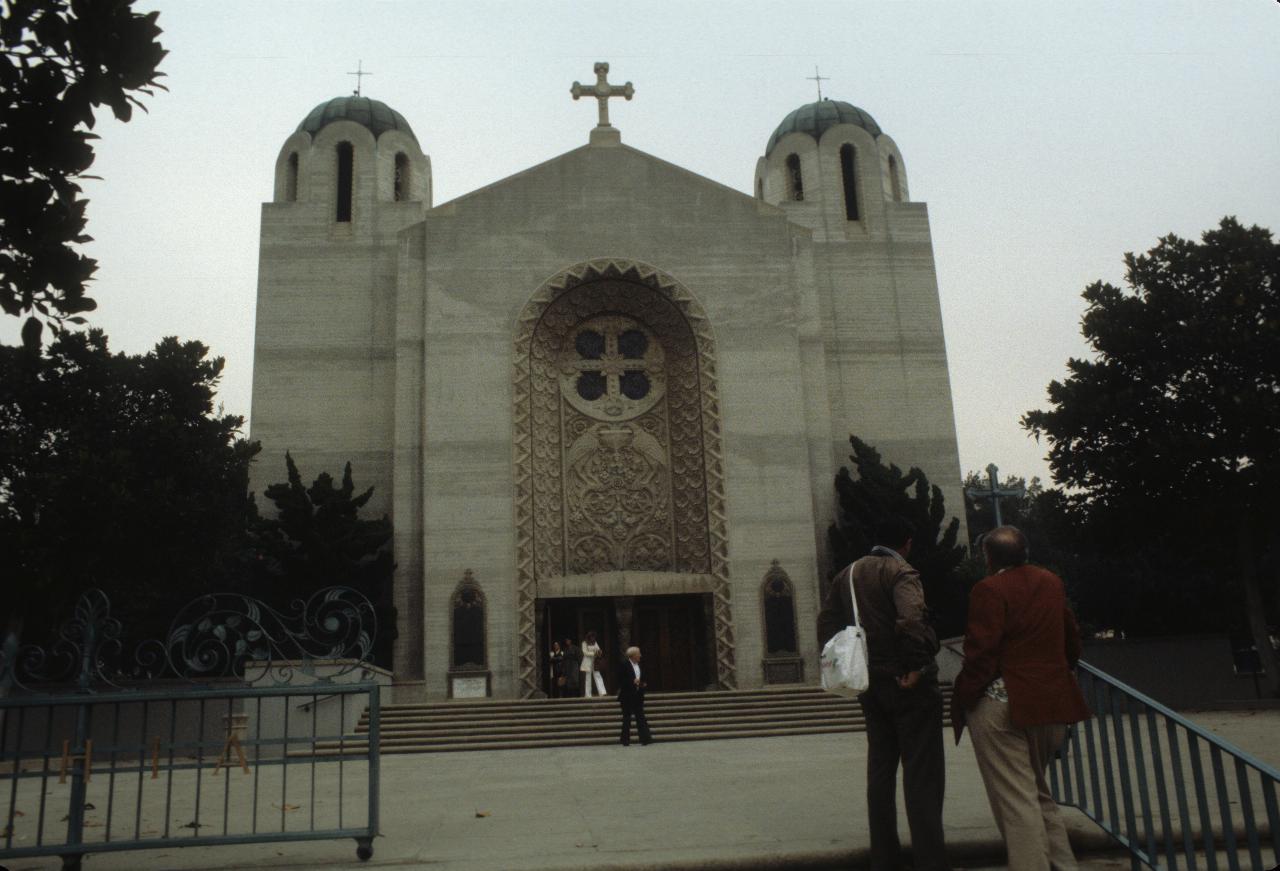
571 660
556 669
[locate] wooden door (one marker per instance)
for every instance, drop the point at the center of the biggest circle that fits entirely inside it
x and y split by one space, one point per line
665 634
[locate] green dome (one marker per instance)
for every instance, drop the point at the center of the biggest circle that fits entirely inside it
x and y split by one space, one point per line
375 116
817 118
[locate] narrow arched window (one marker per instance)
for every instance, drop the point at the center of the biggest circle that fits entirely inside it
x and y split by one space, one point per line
468 624
895 186
291 179
346 167
795 183
848 172
779 612
400 187
759 189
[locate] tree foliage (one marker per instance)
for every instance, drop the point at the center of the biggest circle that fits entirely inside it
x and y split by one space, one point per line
61 60
318 539
1182 398
1169 433
116 472
879 491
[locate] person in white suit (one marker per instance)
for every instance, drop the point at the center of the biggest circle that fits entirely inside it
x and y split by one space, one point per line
591 677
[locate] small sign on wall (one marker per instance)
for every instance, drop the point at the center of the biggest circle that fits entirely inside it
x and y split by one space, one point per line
469 687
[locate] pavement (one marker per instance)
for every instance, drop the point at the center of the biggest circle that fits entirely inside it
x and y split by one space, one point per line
766 803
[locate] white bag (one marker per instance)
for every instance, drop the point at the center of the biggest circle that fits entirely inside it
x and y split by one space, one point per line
844 657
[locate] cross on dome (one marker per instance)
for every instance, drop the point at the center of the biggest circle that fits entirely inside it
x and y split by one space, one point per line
602 91
819 78
359 74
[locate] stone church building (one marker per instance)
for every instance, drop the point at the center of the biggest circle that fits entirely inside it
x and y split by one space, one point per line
604 393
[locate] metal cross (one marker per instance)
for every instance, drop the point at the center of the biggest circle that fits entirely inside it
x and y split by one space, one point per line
602 91
819 78
995 492
359 74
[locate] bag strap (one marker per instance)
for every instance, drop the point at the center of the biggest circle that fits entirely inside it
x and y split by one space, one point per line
852 597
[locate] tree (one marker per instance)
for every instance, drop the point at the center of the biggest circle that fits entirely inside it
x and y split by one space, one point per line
319 540
1169 432
116 472
881 490
62 59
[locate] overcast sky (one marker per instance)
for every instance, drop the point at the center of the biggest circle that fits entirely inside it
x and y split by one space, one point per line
1047 139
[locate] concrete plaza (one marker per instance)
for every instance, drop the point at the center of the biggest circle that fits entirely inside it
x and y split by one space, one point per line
742 804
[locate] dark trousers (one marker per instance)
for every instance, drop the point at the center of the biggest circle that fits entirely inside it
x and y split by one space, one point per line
634 709
905 725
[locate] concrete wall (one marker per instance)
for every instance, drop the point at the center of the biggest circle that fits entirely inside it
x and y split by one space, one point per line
482 258
1185 673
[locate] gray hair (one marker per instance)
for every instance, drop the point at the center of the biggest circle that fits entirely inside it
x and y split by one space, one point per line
631 651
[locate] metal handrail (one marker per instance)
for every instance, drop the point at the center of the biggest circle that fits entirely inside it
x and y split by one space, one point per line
1154 767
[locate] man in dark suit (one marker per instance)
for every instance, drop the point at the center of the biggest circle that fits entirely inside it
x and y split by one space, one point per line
631 686
1017 694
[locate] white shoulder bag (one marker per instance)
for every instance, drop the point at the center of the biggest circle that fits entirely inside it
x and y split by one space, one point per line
844 657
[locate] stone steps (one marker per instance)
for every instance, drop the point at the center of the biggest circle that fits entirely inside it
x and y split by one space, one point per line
443 727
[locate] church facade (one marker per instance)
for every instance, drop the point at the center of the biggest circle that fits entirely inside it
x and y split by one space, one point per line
603 394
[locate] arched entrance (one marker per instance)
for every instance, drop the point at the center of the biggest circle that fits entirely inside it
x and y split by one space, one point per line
618 478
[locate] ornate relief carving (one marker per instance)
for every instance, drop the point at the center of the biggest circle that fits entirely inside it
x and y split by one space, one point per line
617 440
618 500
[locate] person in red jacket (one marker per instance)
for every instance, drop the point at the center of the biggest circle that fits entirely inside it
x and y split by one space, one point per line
1017 694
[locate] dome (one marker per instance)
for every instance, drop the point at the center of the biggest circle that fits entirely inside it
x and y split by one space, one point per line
817 118
376 117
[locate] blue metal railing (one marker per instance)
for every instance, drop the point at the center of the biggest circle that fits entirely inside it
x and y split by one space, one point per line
1166 811
177 769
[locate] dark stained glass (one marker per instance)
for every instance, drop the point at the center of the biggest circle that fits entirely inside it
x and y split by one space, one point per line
634 385
590 345
468 634
632 344
780 624
591 385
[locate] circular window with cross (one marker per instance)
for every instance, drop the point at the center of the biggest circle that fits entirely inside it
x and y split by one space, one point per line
612 368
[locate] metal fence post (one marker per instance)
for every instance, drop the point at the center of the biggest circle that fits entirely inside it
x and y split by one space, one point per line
364 846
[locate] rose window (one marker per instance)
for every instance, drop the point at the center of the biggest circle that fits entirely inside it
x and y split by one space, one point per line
612 368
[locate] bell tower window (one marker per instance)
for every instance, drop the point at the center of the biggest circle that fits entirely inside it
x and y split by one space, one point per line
346 167
291 179
400 185
848 172
795 182
895 186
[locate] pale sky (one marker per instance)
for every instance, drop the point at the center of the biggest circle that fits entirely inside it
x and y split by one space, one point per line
1046 138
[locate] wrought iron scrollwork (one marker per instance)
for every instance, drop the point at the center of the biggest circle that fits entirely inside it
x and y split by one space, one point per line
86 645
232 635
218 635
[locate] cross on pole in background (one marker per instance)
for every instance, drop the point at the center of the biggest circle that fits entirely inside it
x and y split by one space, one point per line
995 492
819 78
359 74
602 91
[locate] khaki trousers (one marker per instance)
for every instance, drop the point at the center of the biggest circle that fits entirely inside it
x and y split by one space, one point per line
1012 762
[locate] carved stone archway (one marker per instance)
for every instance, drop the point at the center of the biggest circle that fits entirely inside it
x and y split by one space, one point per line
675 522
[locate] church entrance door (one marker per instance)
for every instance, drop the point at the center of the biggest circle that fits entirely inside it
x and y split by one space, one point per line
673 633
574 618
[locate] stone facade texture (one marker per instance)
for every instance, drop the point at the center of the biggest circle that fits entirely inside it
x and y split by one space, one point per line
391 340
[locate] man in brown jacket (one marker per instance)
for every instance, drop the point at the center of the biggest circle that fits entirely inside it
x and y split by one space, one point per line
1017 694
903 706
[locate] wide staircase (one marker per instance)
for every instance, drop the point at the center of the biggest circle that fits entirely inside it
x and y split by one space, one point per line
439 727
